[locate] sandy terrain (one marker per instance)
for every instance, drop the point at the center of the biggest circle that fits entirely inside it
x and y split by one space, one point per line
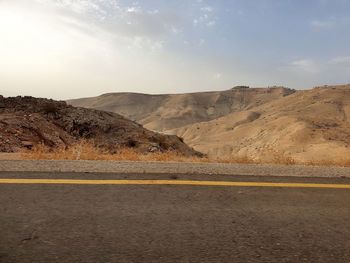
165 112
309 125
306 126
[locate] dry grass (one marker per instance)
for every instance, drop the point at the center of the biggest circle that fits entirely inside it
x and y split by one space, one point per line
281 158
86 151
341 163
234 159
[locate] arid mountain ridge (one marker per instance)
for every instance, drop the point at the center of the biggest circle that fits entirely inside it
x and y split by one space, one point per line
306 125
169 111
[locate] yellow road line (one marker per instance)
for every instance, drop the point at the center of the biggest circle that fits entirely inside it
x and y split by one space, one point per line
170 182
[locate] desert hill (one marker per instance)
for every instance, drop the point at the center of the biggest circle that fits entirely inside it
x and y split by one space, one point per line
27 121
308 125
165 112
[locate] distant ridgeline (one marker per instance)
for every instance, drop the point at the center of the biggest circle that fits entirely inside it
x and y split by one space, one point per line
269 87
241 87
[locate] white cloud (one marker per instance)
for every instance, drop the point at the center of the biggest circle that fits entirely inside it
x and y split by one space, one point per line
144 43
206 16
305 65
207 9
333 22
318 25
99 8
340 60
126 21
218 75
133 9
311 71
211 23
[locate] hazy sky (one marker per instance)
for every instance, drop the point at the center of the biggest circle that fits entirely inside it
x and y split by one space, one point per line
70 48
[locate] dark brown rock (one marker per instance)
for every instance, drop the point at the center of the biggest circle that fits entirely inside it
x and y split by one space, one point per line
27 121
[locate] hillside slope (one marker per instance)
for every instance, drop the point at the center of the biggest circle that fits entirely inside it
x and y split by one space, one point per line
165 112
311 125
27 121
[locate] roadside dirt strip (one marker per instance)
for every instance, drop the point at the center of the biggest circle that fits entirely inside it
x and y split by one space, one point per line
175 168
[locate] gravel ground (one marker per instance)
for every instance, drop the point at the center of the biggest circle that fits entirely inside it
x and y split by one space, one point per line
178 168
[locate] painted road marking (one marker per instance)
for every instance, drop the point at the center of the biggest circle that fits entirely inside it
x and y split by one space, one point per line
171 182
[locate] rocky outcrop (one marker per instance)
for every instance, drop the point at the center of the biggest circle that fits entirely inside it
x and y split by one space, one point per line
27 121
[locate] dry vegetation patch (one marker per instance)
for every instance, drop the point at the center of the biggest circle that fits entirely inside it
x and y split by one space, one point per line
87 151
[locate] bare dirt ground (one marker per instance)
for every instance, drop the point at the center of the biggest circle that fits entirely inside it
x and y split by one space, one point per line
127 167
10 156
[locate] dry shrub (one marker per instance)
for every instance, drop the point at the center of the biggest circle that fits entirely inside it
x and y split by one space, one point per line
236 159
81 151
270 157
87 151
281 158
341 163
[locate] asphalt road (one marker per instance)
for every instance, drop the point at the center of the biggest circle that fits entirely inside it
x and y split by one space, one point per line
59 222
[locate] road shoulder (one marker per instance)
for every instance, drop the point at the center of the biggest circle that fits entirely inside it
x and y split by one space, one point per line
174 168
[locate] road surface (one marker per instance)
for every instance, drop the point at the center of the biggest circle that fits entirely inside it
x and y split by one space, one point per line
95 217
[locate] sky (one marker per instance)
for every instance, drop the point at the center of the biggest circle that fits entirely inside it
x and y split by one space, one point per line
65 49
